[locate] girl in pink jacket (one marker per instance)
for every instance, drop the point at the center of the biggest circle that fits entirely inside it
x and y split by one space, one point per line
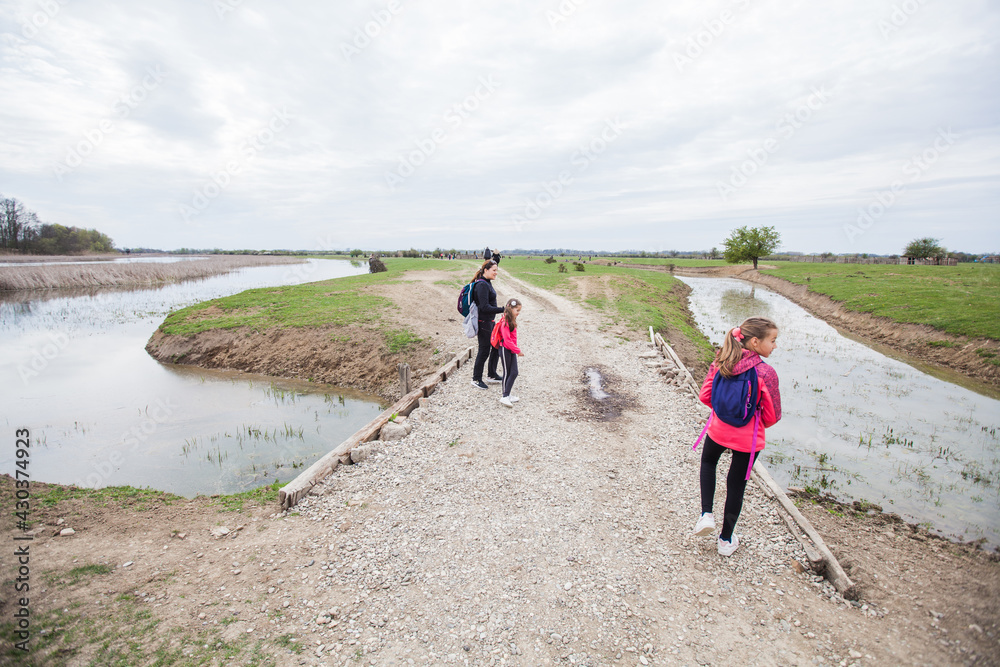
744 348
509 351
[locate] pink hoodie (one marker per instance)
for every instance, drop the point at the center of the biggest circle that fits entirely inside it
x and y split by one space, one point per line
508 338
738 438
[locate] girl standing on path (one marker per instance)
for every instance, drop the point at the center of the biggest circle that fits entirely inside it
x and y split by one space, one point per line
509 351
742 354
486 301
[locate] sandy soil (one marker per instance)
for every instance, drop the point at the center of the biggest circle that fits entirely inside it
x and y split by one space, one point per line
556 532
909 339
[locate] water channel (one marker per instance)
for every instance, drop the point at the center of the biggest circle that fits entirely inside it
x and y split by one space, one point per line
102 412
862 425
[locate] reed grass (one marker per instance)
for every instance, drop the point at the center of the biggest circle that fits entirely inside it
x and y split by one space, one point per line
128 274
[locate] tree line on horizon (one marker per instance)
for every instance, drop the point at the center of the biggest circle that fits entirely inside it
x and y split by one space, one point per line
22 231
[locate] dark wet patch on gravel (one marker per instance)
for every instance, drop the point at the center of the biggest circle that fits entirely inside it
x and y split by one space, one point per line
602 398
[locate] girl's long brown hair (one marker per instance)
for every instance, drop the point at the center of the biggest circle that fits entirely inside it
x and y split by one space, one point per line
508 313
488 264
732 349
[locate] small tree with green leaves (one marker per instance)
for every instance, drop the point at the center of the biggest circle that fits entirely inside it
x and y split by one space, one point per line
750 244
925 248
356 252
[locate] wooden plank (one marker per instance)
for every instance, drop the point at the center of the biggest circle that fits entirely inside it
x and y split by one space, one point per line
816 560
832 570
290 494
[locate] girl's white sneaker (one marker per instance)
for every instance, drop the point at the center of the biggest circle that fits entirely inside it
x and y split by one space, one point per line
506 401
705 525
727 548
514 399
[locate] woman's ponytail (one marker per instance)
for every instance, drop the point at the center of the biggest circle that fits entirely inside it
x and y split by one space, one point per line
736 341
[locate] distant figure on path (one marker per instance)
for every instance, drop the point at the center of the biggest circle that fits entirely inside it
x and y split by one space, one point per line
509 351
486 301
496 257
488 254
738 379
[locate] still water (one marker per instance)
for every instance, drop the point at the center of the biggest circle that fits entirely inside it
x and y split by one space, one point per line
102 412
861 425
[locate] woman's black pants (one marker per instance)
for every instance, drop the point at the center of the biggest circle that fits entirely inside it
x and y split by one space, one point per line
486 351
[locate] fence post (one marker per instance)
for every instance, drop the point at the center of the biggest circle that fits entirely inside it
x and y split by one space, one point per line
404 379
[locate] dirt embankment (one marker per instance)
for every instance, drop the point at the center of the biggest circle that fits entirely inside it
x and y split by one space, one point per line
958 353
349 356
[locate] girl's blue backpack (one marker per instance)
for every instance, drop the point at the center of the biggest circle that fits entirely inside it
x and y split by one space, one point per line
736 401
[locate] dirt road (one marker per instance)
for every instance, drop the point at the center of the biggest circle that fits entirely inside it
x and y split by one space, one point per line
556 532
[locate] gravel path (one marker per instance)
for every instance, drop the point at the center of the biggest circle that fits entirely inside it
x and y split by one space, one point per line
556 532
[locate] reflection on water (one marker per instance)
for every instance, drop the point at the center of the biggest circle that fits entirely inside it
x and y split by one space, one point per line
102 412
862 425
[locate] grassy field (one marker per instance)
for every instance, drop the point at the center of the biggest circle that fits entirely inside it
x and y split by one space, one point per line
961 300
636 298
665 261
340 301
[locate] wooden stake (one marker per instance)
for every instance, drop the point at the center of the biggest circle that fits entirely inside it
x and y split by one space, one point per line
404 379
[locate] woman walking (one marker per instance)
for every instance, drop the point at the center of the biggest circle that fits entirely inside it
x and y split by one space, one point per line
486 301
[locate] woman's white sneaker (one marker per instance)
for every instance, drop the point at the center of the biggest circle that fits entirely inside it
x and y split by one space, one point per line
705 525
506 401
727 548
514 399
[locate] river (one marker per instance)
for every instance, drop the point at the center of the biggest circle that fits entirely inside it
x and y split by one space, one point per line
864 426
102 412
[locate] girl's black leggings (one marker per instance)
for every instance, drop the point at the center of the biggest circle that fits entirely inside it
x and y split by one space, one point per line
509 361
736 483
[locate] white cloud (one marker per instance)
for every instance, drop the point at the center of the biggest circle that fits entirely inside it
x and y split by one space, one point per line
699 88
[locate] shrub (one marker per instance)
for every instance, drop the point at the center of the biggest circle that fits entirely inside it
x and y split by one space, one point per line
562 268
578 266
550 260
375 265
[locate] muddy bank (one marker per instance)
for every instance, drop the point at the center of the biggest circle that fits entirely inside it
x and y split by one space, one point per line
345 355
948 592
910 339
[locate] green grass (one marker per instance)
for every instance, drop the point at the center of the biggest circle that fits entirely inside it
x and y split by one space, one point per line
262 495
960 300
664 261
123 496
77 574
340 301
124 633
640 298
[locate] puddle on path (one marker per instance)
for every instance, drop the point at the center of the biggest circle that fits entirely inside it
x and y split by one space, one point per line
596 385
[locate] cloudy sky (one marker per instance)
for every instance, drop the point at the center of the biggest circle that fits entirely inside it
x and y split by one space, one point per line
852 126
